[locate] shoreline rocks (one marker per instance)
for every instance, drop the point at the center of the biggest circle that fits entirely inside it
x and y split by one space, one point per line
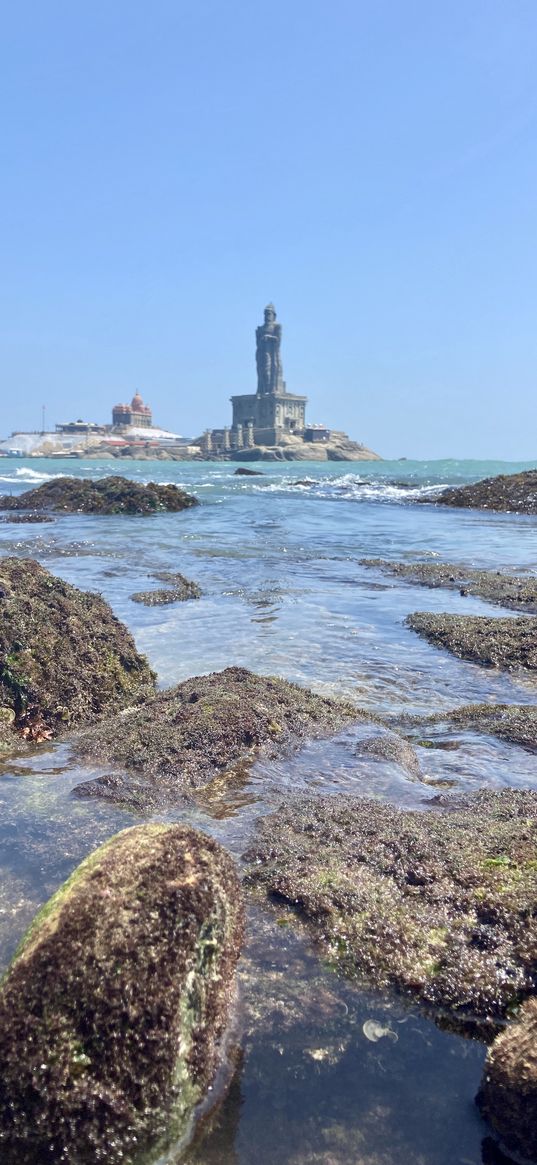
506 643
517 592
65 658
113 1010
508 493
438 903
184 737
514 723
107 495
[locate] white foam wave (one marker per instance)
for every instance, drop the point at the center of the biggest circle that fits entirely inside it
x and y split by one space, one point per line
352 487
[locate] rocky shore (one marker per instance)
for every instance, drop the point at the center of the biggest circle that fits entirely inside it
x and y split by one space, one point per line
514 493
116 1012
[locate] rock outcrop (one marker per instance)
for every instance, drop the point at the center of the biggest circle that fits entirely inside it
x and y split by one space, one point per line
504 643
113 1010
187 735
514 493
439 903
107 495
508 1094
64 657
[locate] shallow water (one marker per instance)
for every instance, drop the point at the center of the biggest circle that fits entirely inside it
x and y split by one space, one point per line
284 593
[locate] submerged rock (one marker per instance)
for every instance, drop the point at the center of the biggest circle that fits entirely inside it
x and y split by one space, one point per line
439 903
107 495
26 519
389 746
508 1093
184 737
64 657
515 723
112 1011
243 472
505 643
510 492
518 592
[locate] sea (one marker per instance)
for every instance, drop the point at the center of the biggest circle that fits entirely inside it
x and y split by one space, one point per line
284 592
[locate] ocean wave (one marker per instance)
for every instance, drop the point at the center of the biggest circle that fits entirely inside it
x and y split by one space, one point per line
27 476
352 487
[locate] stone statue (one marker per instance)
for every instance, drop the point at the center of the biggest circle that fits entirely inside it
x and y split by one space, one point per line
268 359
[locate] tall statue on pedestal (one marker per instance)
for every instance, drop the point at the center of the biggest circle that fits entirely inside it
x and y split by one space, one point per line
268 359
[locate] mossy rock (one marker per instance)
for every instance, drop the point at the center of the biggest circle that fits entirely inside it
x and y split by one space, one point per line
107 495
508 1093
184 737
515 723
508 492
508 643
440 903
64 657
113 1009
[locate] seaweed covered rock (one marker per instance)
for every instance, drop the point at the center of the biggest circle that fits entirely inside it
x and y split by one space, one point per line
180 589
440 903
505 643
509 492
107 495
185 736
508 1093
64 657
113 1010
518 592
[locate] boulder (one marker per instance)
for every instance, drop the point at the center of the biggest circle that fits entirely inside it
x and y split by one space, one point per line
184 737
64 657
107 495
439 903
113 1010
508 1094
390 747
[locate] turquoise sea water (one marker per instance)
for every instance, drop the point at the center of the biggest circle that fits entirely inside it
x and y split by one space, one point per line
278 560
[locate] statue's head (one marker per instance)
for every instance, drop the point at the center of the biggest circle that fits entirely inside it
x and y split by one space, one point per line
270 313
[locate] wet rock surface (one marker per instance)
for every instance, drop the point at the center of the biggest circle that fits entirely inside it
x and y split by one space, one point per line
113 1009
180 590
109 495
438 903
518 592
26 519
243 472
504 643
510 492
64 657
508 1094
184 737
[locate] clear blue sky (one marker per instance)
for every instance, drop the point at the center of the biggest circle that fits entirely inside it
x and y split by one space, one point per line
369 165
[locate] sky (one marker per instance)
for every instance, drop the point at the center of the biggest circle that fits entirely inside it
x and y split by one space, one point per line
370 166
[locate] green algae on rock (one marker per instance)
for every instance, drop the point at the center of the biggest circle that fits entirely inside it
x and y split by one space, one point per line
107 495
439 903
64 657
184 737
518 592
114 1007
504 643
508 1094
508 492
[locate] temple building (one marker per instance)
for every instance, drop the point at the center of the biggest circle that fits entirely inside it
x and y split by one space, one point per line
264 417
136 414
